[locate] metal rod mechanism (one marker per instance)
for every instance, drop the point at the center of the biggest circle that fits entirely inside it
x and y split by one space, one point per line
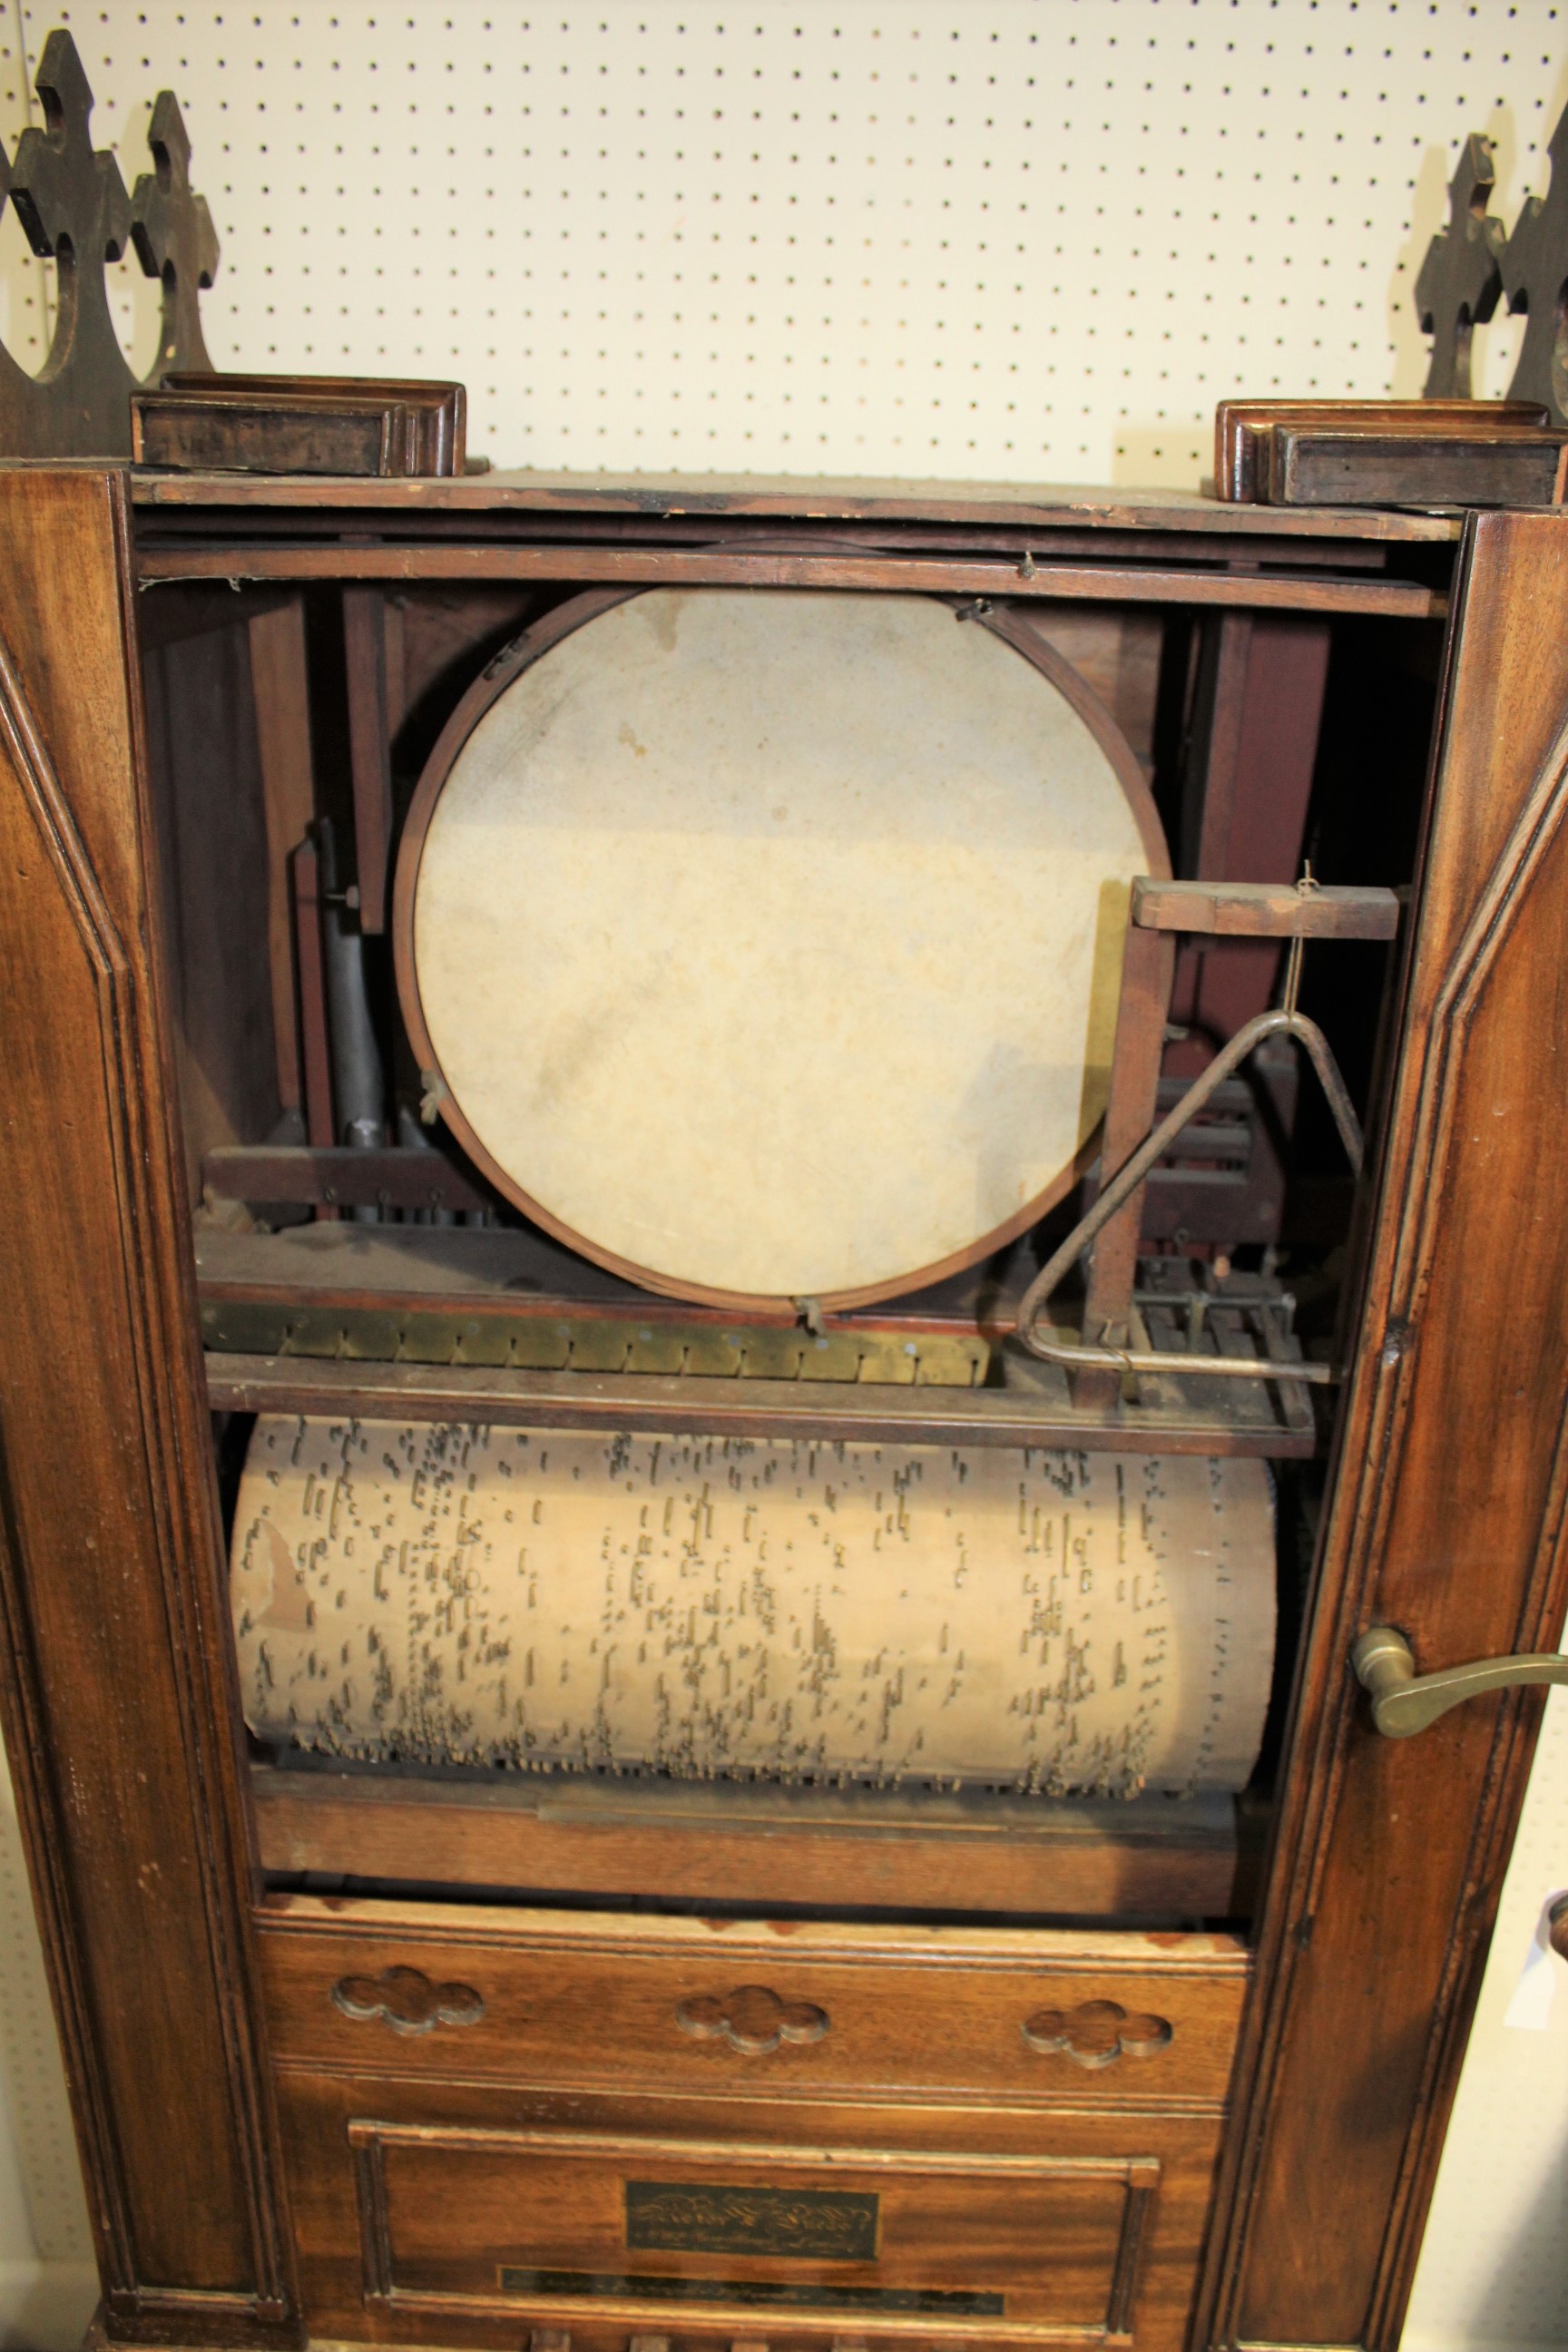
1168 1360
1403 1702
1285 1021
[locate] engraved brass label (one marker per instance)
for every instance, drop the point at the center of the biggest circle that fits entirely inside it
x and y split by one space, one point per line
770 2294
833 2225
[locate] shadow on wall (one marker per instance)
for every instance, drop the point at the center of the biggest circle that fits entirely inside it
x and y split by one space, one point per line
49 2285
1496 346
45 2306
1495 349
1494 2264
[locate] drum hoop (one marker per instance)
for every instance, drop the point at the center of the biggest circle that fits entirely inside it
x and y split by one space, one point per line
486 690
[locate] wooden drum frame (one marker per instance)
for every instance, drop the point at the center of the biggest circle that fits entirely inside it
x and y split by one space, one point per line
481 699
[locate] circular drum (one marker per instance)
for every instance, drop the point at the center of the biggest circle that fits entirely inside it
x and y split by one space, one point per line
766 944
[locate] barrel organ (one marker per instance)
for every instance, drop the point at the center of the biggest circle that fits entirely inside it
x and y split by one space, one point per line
762 1222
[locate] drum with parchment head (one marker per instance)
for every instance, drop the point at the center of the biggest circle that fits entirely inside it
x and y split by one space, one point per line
765 944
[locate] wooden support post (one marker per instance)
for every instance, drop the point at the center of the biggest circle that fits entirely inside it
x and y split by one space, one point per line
281 684
321 1125
1260 708
370 764
1147 965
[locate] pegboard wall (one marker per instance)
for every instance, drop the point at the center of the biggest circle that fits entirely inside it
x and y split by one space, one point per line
1026 239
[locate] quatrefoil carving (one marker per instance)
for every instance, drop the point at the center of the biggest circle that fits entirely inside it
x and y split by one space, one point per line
751 2019
408 2002
1096 2033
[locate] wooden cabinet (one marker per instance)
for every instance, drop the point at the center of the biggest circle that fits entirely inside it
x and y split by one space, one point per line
460 2056
991 2136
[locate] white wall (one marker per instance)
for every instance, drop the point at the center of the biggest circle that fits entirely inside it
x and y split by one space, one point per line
1026 239
1494 2263
47 2283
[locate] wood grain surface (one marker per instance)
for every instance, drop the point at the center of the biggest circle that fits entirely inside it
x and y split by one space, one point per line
1266 910
280 681
584 1997
785 497
1446 1518
1245 429
1037 2207
117 1720
937 1853
637 567
431 2165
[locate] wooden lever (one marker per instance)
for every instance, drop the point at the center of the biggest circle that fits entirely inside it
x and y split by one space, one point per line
1264 910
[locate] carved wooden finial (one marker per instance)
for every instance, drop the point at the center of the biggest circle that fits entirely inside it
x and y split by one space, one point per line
72 204
71 201
175 239
1461 280
1534 270
69 196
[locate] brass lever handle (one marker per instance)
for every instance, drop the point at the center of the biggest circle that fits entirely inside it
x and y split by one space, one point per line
1404 1701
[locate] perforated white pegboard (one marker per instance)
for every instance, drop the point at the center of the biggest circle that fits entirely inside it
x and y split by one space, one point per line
1027 237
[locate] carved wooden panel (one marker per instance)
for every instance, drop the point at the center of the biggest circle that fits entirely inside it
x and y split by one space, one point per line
752 2019
850 2010
1096 2033
115 1680
407 2002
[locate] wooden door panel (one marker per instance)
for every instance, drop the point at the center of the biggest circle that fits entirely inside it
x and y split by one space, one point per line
1446 1518
116 1705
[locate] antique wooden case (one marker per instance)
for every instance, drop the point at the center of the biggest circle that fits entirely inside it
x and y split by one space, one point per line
383 2027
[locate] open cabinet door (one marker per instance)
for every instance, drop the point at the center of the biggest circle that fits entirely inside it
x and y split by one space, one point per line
1445 1516
112 1660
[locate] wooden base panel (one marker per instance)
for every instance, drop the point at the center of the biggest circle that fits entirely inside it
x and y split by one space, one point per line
587 2130
736 1845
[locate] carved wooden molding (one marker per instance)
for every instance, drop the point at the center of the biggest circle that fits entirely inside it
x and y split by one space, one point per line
408 2000
1096 2033
751 2019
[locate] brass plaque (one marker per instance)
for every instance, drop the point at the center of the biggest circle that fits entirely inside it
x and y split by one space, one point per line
776 2294
817 2225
